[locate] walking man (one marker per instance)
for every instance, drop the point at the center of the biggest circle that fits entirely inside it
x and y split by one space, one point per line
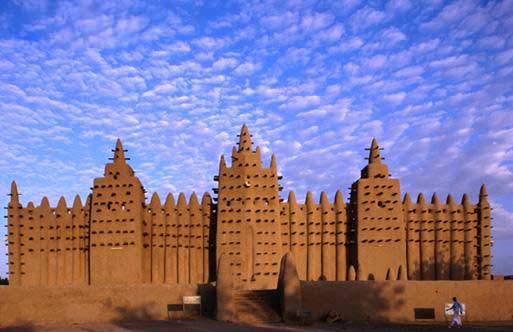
457 311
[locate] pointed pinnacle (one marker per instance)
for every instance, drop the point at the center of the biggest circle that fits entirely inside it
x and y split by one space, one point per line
465 200
435 200
339 198
374 156
421 199
324 198
245 142
273 162
450 199
170 201
77 203
61 205
206 199
14 192
292 197
193 200
407 199
483 193
182 200
119 153
155 200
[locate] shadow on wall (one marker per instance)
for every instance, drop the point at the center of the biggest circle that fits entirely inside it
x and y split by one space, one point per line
353 300
431 270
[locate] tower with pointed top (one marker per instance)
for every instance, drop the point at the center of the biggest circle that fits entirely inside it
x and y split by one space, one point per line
13 237
248 217
116 238
376 225
484 258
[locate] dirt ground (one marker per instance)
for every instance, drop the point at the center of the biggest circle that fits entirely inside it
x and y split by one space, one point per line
214 326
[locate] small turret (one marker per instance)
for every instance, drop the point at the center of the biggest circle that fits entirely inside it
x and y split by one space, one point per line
450 200
245 143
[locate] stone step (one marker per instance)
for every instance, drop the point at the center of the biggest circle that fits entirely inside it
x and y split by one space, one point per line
259 306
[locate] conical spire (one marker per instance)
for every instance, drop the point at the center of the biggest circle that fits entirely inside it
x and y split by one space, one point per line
273 163
374 156
407 199
435 200
170 202
450 199
483 193
14 193
339 199
292 197
245 142
155 200
182 200
45 204
222 162
193 200
61 205
77 203
464 200
206 199
119 153
421 199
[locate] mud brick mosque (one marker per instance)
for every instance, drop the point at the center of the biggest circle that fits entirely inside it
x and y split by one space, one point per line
243 233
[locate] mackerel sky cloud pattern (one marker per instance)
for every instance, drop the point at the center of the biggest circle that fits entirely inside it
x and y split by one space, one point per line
314 81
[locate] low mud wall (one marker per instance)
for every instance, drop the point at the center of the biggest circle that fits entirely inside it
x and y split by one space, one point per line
397 301
27 306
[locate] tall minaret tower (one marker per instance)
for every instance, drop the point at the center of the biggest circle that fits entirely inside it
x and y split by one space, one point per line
248 219
377 231
116 224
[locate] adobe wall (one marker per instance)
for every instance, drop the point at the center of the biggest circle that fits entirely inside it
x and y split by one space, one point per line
448 241
48 246
394 301
315 233
26 306
176 240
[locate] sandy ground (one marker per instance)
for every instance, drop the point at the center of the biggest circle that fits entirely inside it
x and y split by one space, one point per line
214 326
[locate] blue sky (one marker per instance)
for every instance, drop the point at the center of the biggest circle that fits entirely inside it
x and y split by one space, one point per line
314 80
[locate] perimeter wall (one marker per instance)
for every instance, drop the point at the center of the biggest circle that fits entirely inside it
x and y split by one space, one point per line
44 306
395 301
